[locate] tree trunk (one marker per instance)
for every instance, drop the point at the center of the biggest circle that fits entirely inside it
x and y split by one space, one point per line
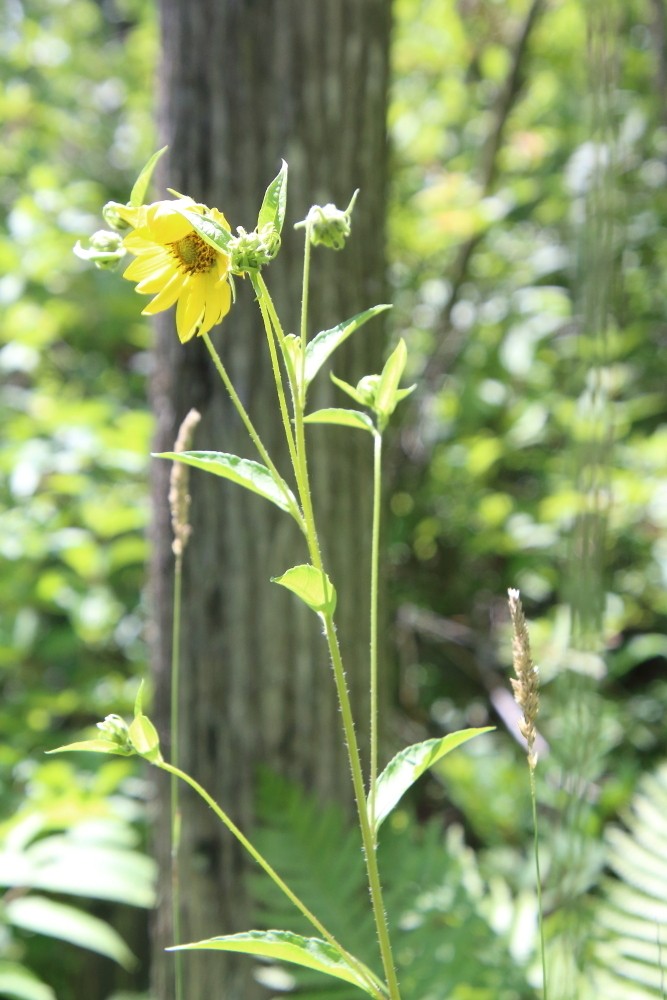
242 84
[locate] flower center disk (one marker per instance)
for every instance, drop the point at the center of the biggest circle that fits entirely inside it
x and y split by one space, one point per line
193 254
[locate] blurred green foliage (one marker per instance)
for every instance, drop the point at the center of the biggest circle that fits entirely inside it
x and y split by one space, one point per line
75 106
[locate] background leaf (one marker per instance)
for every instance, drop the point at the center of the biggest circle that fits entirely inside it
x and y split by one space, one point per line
40 915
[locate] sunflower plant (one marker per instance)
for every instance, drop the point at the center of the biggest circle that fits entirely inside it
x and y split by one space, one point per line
185 254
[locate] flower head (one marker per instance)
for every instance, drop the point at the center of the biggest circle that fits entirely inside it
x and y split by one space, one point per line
176 265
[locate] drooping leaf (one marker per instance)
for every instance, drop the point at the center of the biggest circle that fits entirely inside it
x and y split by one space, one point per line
311 585
312 953
210 231
143 180
342 417
275 200
40 915
325 343
94 746
252 475
18 983
409 764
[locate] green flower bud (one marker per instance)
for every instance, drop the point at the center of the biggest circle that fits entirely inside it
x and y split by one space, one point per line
112 213
328 225
251 251
367 388
116 731
105 250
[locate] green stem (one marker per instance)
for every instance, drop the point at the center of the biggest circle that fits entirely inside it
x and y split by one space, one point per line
540 910
262 292
175 751
176 774
249 426
304 318
375 560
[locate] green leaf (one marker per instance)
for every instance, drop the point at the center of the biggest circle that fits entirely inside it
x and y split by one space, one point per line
312 953
344 418
94 746
273 207
40 915
18 983
252 475
143 180
348 389
386 395
325 343
311 585
144 738
210 231
409 764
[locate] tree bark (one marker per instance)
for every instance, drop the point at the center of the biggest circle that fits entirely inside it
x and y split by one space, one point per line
242 84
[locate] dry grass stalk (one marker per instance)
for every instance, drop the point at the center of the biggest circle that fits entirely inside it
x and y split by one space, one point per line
526 682
179 497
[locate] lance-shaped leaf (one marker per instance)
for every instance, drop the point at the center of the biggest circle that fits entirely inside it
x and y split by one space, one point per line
403 770
144 738
143 180
252 475
210 231
312 953
94 746
272 211
342 417
325 343
312 585
17 982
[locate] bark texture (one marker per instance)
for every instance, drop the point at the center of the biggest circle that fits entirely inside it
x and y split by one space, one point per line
242 84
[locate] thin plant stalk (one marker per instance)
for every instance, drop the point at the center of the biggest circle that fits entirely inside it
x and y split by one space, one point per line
538 876
175 753
375 562
177 774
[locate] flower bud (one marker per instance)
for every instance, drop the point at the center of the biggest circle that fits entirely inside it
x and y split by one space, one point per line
251 251
105 250
113 215
328 225
116 731
367 388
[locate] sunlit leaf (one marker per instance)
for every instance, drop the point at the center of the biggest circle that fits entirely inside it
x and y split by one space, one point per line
409 764
143 180
311 585
312 953
210 231
275 199
325 343
40 915
342 417
386 395
252 475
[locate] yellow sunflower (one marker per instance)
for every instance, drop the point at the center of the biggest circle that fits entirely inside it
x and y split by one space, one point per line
173 263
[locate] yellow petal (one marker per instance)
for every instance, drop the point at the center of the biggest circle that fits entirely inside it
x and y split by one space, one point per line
165 224
147 264
189 311
166 298
157 279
